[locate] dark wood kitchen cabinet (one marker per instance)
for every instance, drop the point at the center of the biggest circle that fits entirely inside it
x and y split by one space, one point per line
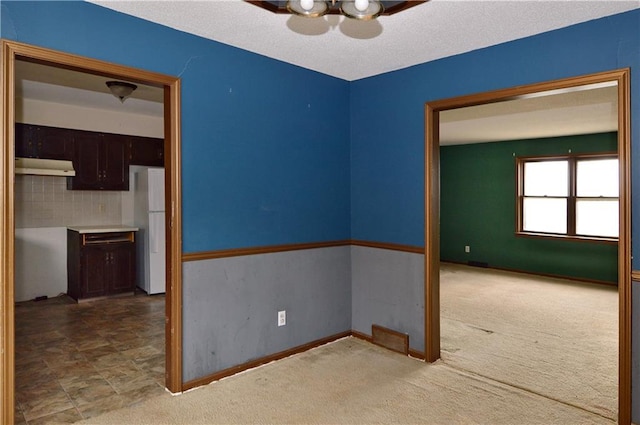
38 141
147 151
100 264
101 162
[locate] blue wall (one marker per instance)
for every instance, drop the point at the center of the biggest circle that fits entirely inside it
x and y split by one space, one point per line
387 165
246 118
262 162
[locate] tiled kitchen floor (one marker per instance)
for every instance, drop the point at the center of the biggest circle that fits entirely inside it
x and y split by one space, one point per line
75 361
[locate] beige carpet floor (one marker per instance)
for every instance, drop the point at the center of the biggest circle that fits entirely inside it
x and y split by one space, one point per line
352 382
516 350
553 337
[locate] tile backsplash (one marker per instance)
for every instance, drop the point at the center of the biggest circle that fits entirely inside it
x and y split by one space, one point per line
44 201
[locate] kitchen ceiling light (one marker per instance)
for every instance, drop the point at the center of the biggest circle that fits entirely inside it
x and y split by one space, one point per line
120 89
363 10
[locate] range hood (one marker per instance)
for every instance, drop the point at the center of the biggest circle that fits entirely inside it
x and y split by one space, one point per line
44 167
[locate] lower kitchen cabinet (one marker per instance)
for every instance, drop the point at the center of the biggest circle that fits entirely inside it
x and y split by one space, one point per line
100 263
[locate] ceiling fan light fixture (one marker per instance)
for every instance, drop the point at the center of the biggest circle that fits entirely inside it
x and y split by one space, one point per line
120 89
362 10
308 8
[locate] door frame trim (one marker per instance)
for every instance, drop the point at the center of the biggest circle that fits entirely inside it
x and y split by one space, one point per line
432 211
10 52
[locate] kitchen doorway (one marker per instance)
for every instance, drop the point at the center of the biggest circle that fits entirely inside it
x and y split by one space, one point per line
13 52
432 207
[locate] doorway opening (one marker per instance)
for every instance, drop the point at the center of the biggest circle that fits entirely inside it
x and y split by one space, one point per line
13 52
432 211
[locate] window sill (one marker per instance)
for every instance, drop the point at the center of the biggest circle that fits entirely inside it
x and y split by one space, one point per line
589 239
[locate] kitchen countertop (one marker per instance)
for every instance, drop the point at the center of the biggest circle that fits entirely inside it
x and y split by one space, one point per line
103 229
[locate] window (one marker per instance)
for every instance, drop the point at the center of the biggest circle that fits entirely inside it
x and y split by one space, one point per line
568 196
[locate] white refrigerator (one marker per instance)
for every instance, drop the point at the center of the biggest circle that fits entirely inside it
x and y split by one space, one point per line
149 217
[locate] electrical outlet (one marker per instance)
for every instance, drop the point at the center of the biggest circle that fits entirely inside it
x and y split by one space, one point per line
467 249
282 318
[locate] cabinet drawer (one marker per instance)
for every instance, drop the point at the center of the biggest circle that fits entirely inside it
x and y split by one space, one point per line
107 238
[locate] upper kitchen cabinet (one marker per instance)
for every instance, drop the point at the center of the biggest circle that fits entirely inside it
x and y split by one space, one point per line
147 151
101 162
38 141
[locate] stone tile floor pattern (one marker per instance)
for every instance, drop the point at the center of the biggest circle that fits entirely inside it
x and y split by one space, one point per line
79 360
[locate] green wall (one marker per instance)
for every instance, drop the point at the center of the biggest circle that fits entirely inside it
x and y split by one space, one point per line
478 208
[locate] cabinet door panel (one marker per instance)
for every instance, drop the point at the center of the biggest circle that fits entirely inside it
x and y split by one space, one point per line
24 138
147 151
115 172
122 269
86 162
54 143
94 272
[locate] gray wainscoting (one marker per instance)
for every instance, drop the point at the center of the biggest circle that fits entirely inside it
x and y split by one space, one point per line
635 353
388 290
231 305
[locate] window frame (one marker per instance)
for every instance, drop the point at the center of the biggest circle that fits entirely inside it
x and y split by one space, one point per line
572 197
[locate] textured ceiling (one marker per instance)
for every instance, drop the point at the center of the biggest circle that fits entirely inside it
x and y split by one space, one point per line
350 49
